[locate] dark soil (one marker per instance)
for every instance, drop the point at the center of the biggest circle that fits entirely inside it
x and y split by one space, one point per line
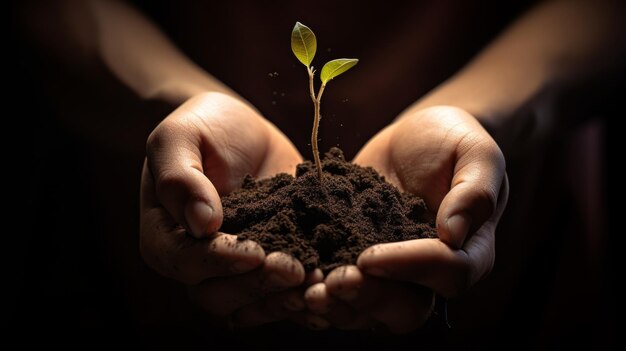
329 225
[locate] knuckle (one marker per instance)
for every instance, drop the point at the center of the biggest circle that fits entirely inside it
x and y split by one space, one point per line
168 180
169 132
497 154
490 150
158 136
489 195
154 140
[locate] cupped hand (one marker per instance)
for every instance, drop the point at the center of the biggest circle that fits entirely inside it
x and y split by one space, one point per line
445 156
198 153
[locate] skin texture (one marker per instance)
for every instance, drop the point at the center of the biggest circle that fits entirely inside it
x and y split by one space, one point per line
442 154
438 148
197 153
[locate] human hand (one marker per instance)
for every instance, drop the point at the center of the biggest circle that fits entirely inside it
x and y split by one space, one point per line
443 155
199 152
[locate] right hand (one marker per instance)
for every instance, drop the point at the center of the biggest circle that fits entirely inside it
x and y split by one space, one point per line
445 156
199 152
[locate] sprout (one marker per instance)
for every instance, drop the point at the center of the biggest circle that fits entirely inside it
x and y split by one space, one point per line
304 46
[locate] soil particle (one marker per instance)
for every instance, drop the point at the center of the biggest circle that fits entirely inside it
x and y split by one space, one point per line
329 224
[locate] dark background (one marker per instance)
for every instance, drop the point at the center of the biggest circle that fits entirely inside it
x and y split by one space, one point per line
73 262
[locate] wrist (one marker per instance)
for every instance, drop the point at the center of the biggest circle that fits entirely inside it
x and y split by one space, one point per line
510 110
176 92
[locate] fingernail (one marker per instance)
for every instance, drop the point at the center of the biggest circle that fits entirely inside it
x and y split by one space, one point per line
276 281
242 266
316 322
198 214
458 226
294 304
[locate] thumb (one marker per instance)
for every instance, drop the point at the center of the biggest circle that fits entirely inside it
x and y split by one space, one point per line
175 161
474 192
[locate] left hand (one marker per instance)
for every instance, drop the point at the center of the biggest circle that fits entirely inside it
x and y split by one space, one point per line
200 152
445 156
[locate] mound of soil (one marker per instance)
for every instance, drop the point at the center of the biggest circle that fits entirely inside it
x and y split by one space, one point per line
329 224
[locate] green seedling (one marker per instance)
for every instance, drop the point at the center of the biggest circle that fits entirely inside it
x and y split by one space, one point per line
304 46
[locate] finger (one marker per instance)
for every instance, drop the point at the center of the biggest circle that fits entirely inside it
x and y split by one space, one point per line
315 322
398 307
317 299
309 320
222 296
313 277
168 249
174 254
338 313
432 263
401 308
474 191
281 157
343 316
175 163
274 307
277 306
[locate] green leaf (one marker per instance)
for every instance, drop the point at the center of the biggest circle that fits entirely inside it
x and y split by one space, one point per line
303 43
336 67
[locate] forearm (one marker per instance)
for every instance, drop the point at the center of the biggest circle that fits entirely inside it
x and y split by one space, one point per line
556 45
95 33
142 57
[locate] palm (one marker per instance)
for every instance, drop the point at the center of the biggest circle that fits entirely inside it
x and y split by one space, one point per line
198 153
421 154
443 155
420 162
236 140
